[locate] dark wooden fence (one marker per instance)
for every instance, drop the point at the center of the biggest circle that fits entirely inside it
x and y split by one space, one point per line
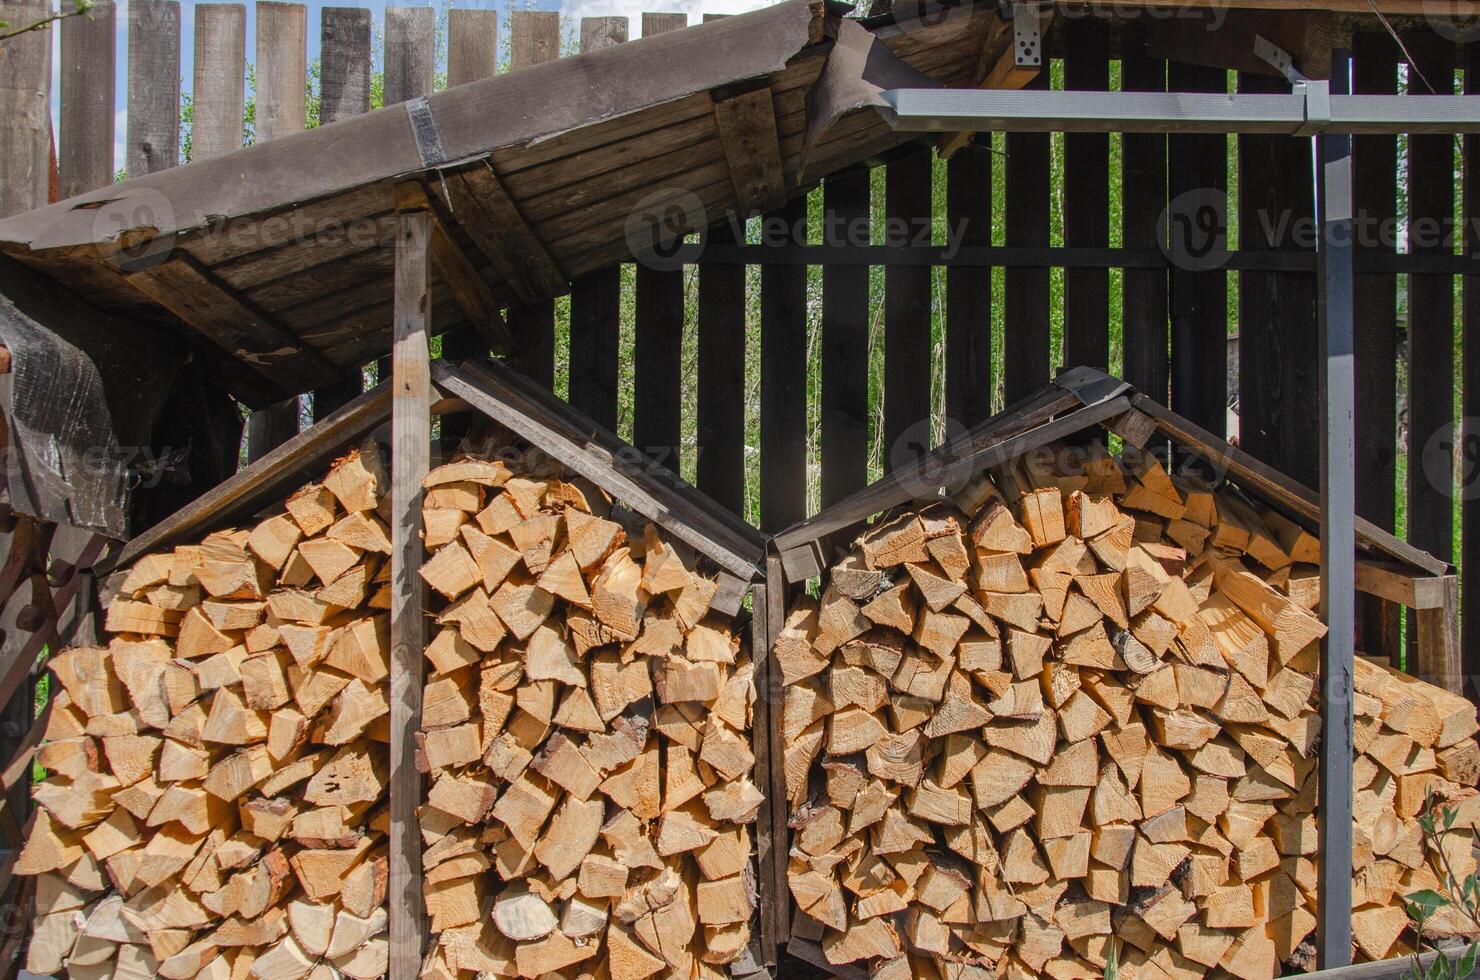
1025 204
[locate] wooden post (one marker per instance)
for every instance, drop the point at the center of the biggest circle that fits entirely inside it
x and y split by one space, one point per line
1437 627
774 611
410 460
282 67
220 73
85 137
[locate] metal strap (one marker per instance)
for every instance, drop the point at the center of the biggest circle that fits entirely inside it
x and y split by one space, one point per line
424 131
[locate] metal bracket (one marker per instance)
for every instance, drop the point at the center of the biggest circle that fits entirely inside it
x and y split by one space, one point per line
1277 58
1317 93
1027 33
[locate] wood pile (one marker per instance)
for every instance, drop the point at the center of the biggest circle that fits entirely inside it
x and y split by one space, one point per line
1067 712
214 804
586 734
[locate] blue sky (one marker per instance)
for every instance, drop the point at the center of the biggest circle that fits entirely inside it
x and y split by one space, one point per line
571 11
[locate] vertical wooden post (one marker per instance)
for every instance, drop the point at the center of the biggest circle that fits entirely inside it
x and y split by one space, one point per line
907 346
411 436
1143 183
1470 367
784 376
1439 660
220 77
775 617
410 52
763 747
85 137
1026 343
153 86
1086 201
968 289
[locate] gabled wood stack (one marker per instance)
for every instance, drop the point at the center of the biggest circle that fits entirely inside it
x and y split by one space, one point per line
214 805
1062 713
587 734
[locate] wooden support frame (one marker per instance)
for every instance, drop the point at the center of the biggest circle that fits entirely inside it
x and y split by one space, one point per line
499 230
410 462
747 129
1000 67
455 271
190 291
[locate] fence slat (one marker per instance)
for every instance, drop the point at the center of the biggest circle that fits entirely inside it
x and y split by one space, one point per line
1278 343
220 66
1086 201
410 52
1198 180
907 353
662 23
472 53
721 464
344 91
25 101
282 78
1375 179
153 86
969 291
344 63
784 380
1430 316
596 299
1143 184
658 346
85 135
845 316
1025 351
534 37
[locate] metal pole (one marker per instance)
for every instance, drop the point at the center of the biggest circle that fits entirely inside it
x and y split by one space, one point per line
1333 175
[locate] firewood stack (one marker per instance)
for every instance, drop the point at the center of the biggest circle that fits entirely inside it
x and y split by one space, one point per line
214 805
586 733
1062 713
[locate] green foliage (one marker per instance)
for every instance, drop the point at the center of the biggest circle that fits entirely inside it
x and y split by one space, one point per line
1461 895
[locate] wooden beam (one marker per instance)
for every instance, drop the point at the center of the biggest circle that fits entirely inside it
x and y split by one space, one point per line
497 227
747 131
574 440
764 719
1396 584
250 334
410 461
264 481
1307 35
455 271
998 68
1438 640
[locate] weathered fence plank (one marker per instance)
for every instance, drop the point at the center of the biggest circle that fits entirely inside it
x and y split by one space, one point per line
1375 181
596 299
1198 179
784 379
1430 316
1025 300
344 63
410 53
1086 201
220 77
534 37
1143 185
845 323
969 290
1278 342
85 133
720 465
658 345
907 341
153 86
1470 344
282 79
